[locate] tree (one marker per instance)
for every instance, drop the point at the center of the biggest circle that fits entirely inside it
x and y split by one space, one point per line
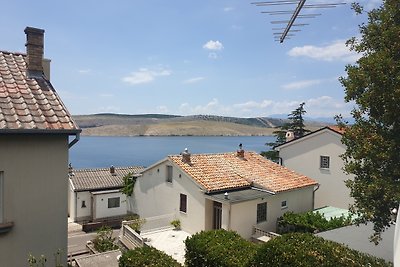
295 124
297 121
104 240
129 184
373 141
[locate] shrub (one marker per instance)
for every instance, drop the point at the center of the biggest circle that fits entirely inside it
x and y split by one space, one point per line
104 240
299 249
309 222
218 248
137 224
147 256
176 224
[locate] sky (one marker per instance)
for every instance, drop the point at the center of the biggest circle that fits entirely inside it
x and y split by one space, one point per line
188 57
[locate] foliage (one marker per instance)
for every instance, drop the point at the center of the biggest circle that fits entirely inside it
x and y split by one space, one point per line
218 248
309 222
33 262
297 121
137 224
146 256
295 124
373 141
176 224
129 184
104 240
299 249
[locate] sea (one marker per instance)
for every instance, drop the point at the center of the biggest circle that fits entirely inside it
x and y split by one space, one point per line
104 151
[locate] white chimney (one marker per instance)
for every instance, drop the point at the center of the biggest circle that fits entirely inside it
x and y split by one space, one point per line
289 136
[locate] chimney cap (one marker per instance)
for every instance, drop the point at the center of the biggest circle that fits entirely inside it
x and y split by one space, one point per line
33 30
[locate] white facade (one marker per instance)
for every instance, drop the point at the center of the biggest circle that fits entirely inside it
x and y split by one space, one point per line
155 196
303 155
95 205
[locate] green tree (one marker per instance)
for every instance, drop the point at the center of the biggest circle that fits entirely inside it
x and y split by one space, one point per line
296 119
373 141
295 124
104 240
129 184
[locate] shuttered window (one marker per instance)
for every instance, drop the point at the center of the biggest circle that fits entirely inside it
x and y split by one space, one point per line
183 203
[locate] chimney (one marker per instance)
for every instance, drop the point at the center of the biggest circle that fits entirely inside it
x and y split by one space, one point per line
186 156
240 152
34 51
289 136
112 170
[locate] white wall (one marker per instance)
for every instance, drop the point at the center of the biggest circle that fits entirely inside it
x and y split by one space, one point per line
244 214
304 157
83 213
35 172
101 209
153 196
71 201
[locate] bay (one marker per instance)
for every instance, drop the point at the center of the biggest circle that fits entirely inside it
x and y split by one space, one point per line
102 152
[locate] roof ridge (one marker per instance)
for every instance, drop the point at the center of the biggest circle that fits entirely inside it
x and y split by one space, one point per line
107 168
210 154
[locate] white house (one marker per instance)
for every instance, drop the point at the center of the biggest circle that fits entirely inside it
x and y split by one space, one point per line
317 156
235 191
95 194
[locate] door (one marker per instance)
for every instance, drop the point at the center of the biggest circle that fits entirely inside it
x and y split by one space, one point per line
217 215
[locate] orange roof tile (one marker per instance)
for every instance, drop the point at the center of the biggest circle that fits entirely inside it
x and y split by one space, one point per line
217 172
29 103
338 129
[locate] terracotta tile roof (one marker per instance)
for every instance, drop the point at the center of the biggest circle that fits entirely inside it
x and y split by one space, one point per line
338 129
29 103
96 179
217 172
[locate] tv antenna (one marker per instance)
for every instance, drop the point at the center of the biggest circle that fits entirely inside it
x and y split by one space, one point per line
292 26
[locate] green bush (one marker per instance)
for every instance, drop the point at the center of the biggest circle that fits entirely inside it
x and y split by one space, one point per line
104 240
218 248
147 256
299 249
309 222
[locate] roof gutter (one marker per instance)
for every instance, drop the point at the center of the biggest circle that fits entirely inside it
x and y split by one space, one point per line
76 139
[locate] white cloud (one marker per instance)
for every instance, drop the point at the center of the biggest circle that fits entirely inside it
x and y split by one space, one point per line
84 71
229 8
108 109
144 75
213 45
323 106
300 84
331 52
193 80
162 109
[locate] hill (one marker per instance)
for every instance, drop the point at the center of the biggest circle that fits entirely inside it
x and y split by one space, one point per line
109 124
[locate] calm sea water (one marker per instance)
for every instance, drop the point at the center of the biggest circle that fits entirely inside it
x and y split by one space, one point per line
97 152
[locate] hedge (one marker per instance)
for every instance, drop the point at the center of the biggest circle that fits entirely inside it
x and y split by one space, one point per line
299 249
147 256
218 248
309 222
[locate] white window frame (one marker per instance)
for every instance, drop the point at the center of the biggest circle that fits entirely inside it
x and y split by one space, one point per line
324 162
113 198
284 204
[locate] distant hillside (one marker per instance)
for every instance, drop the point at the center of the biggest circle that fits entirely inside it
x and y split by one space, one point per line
109 124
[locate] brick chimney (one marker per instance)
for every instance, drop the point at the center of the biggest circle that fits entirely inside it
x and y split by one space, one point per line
34 51
240 151
186 156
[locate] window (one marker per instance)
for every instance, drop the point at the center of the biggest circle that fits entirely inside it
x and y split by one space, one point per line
324 162
283 204
169 174
113 202
83 204
261 212
183 203
1 196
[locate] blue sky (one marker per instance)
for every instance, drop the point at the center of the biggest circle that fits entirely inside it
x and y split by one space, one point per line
187 57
